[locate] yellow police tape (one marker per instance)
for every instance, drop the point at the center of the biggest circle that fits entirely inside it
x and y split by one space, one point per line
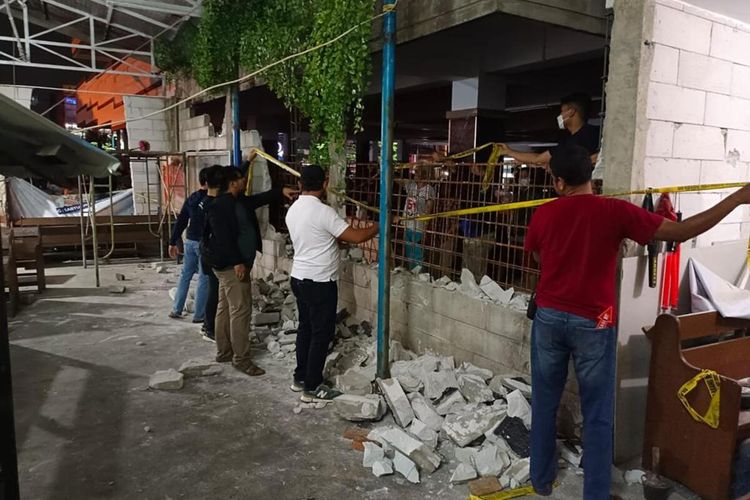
504 207
713 383
504 495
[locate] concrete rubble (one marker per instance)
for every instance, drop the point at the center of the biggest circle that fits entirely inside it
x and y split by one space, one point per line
439 408
166 380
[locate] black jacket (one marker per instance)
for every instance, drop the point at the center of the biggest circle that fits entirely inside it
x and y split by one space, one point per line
219 247
191 217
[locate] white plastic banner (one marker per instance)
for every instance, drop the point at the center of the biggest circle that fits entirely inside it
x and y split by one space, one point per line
710 292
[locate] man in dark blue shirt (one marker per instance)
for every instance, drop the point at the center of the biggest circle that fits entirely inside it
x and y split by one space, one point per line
191 217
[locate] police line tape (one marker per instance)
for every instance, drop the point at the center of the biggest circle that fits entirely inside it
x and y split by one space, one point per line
713 384
518 205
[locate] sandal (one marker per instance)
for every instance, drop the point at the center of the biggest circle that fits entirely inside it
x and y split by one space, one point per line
250 368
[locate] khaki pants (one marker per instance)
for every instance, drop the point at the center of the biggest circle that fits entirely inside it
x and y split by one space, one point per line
232 329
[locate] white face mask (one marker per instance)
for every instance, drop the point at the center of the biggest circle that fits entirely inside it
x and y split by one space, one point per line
560 122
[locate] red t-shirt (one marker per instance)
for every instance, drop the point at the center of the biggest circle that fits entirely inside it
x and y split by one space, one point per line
578 239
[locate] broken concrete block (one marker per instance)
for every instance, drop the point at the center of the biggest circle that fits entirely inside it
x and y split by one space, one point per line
497 387
463 474
354 382
436 383
166 380
409 383
353 359
495 291
273 346
424 411
517 474
406 467
519 407
356 253
450 403
465 455
517 384
570 453
329 367
411 447
472 369
197 367
343 331
382 468
287 339
513 433
289 325
290 299
366 328
266 318
424 433
119 277
190 306
490 461
288 348
360 408
484 486
161 269
116 289
397 401
447 363
373 453
463 428
424 277
474 389
172 293
469 284
280 277
397 352
634 476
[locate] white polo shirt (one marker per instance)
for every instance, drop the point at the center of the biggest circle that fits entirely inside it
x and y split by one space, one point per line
314 228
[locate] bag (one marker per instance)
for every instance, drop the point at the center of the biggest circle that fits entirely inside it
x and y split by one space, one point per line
531 309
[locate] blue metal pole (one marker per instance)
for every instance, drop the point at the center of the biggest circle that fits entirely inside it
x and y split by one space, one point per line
386 185
236 148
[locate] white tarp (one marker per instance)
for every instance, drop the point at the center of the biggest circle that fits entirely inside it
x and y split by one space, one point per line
709 292
28 201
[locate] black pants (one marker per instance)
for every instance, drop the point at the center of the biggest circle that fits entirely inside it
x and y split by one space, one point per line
212 300
316 302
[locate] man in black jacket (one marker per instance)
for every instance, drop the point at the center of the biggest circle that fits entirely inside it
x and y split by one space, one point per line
190 217
231 240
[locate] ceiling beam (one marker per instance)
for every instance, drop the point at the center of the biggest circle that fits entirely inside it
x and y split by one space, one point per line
157 6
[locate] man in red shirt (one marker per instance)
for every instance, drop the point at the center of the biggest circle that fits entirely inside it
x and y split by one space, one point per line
576 239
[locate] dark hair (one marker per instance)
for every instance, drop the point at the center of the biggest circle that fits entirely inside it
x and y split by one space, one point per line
214 177
229 174
572 164
312 178
203 175
580 102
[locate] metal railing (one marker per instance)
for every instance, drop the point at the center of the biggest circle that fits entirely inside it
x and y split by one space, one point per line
487 244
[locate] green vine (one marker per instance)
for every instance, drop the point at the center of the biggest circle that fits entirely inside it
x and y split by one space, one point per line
175 57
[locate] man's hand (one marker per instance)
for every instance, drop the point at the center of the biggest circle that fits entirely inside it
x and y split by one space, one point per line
173 251
240 270
290 193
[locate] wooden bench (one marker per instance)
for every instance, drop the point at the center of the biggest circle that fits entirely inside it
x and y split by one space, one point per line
692 452
130 231
10 274
29 255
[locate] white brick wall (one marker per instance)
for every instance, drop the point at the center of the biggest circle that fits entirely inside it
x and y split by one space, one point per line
698 109
680 30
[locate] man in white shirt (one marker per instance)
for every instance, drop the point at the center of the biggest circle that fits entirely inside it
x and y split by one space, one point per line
316 230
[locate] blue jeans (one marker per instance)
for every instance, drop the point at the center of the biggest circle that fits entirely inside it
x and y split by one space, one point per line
191 265
555 337
414 251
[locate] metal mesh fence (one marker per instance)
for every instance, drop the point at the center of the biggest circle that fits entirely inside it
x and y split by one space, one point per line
487 244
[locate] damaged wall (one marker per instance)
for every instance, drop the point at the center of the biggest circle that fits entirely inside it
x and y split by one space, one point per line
428 317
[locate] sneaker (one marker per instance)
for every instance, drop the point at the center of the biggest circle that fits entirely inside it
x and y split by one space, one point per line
175 315
208 338
297 386
196 321
320 395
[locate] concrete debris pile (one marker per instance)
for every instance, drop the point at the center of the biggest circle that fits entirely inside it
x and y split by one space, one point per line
465 416
486 290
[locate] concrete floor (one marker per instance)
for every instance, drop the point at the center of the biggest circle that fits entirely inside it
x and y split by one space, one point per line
82 409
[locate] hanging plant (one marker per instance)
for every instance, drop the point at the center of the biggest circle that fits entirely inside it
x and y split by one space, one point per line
175 57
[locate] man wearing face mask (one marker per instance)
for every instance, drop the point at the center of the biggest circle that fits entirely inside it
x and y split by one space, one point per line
573 120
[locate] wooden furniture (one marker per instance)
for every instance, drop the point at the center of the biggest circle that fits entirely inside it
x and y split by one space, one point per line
130 231
10 275
692 452
28 253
